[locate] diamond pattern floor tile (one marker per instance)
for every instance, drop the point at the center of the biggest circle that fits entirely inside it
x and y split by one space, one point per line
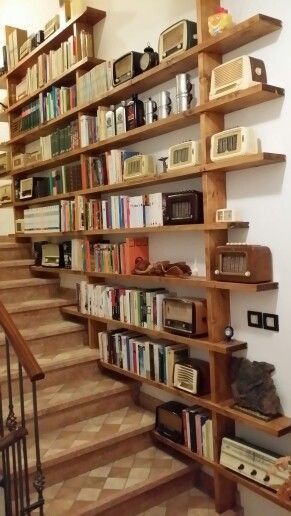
92 431
108 482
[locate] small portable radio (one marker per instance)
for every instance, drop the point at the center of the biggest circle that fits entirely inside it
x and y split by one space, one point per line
141 165
177 38
126 67
51 26
169 422
235 75
186 316
239 141
19 226
226 215
243 263
5 194
192 375
50 255
185 154
183 208
26 188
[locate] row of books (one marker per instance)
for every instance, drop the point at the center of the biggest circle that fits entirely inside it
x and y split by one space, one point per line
107 257
93 128
136 353
198 431
50 66
61 140
29 118
42 219
105 168
94 83
57 102
129 305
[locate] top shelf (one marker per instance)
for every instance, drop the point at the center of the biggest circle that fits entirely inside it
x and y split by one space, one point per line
90 16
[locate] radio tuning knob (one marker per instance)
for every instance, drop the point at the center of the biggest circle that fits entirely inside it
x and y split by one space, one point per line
253 472
164 54
247 274
216 272
179 45
266 478
241 467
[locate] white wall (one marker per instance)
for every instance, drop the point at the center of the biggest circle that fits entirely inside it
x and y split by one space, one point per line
261 195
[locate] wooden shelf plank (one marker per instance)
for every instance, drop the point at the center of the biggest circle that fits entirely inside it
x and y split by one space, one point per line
85 64
237 164
88 16
220 347
253 486
245 287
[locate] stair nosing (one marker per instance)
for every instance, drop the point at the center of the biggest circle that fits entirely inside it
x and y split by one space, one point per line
51 303
25 262
27 282
70 327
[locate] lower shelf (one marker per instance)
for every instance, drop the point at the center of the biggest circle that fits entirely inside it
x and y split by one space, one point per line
231 475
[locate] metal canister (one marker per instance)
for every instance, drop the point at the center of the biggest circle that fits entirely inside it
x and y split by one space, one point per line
183 89
150 111
165 104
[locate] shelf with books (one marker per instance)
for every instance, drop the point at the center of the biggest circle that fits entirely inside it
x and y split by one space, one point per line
65 78
89 16
231 475
223 347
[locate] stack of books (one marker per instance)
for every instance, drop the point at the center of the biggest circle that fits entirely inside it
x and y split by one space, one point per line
93 84
61 140
42 220
57 102
130 305
135 353
198 431
105 168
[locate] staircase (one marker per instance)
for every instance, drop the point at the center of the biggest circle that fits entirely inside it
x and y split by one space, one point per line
96 448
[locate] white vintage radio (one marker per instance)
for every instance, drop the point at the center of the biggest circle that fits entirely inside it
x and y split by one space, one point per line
235 75
185 378
226 215
251 462
141 165
5 194
239 141
185 154
19 226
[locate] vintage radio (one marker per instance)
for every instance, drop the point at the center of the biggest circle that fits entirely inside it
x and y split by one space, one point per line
182 208
32 157
18 161
51 26
192 375
239 141
51 255
26 47
21 89
226 215
235 75
5 194
126 67
185 154
3 162
243 263
138 166
34 187
252 462
177 38
187 316
26 188
19 226
169 421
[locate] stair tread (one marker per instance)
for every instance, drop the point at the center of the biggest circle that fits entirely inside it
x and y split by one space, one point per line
16 263
37 304
27 282
70 391
93 432
14 245
113 483
52 361
47 330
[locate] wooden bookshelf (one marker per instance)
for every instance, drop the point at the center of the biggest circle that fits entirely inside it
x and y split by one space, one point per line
223 347
210 117
221 470
3 79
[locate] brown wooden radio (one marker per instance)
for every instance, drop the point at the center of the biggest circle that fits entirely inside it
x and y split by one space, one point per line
187 316
243 263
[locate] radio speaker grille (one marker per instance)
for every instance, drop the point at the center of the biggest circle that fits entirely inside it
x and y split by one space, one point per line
229 73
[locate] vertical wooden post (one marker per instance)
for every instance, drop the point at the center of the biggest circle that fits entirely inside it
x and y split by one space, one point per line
214 197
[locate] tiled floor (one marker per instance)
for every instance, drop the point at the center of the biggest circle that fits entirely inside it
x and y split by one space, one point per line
108 482
92 431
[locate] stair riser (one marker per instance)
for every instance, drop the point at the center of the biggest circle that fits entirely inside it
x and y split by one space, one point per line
71 467
15 272
16 253
16 295
39 317
75 414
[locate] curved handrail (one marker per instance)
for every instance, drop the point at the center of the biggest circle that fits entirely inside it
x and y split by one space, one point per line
21 349
12 438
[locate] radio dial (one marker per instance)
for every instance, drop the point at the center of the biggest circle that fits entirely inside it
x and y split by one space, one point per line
179 45
247 274
241 467
253 472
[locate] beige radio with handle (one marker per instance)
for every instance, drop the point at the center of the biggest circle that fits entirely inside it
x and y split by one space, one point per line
184 154
139 166
235 75
252 462
239 141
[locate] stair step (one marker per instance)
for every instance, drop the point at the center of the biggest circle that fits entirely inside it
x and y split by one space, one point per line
16 263
27 282
106 489
14 251
47 330
37 304
14 245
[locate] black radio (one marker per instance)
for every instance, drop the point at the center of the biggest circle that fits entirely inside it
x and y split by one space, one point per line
183 208
169 421
126 67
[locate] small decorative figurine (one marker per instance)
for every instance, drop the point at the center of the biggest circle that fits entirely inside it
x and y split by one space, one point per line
164 162
219 22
